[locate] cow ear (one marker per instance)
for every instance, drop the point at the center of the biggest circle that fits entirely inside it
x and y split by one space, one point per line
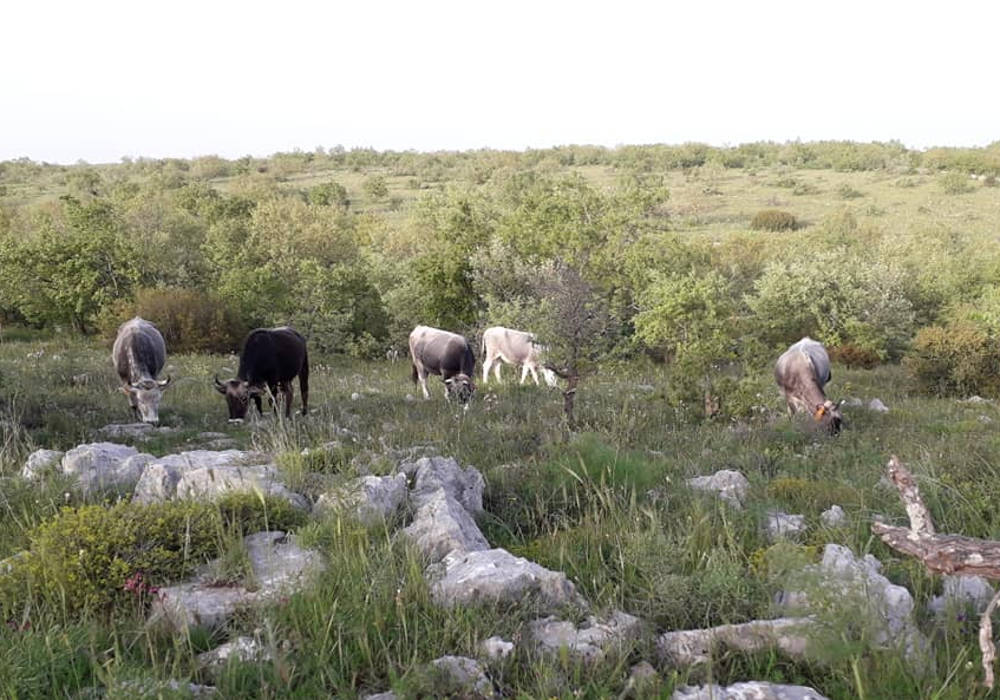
125 390
449 381
820 412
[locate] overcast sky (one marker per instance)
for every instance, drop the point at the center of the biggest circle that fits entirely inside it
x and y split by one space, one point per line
103 79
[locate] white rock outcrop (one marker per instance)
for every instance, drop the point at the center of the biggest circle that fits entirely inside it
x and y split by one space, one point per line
246 649
496 575
731 486
371 499
782 525
961 592
460 676
834 516
279 567
431 474
441 525
689 647
589 642
752 690
41 461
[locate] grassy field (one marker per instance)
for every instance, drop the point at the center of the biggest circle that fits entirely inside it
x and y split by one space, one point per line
607 505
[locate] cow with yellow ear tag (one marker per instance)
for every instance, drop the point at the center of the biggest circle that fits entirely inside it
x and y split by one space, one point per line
801 373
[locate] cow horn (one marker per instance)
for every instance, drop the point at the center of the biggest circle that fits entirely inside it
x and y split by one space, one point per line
219 386
165 383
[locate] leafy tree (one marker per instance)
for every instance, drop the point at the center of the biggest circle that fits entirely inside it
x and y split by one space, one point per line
69 275
329 194
375 187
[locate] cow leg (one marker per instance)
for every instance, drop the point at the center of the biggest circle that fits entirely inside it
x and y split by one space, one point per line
487 363
422 378
524 373
304 389
496 368
534 372
257 403
288 393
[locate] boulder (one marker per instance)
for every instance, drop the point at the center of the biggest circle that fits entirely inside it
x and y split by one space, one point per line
731 486
752 690
432 473
690 647
877 406
41 461
441 525
961 592
246 649
209 474
496 575
104 466
833 516
855 583
279 566
496 648
462 677
782 525
642 678
590 641
372 499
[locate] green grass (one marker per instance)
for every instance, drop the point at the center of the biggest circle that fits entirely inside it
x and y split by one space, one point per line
609 507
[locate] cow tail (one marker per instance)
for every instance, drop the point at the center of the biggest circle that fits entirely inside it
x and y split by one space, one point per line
414 367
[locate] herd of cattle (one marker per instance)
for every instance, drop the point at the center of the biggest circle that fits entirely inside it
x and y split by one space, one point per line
272 357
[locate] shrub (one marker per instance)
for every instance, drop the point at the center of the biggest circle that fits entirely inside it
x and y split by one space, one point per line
854 355
190 321
990 181
84 557
329 193
773 220
958 359
375 187
955 183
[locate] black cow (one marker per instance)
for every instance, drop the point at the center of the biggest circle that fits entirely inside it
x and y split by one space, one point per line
435 351
272 358
138 355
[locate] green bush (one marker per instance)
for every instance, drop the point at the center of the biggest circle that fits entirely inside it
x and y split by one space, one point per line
375 187
83 558
955 183
773 220
958 359
329 193
190 321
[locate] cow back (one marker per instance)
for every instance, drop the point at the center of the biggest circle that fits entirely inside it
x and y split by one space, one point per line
442 352
272 355
139 350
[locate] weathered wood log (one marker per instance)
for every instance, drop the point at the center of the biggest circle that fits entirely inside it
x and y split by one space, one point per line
943 554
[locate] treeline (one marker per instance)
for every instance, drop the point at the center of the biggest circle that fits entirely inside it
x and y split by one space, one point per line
209 248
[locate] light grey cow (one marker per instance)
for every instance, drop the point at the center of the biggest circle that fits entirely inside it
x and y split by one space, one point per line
515 348
801 373
138 355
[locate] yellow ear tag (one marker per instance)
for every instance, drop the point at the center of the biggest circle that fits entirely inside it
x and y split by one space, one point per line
820 412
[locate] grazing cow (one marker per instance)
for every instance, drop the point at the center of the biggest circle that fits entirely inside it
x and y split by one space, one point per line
515 348
801 373
138 355
434 351
271 358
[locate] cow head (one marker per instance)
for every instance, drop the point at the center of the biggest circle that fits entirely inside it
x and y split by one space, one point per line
460 386
551 378
827 415
144 397
238 393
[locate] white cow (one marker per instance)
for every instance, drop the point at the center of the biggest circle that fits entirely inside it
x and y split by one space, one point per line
514 348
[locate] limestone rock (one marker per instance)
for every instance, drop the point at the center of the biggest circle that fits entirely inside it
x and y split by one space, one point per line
372 499
877 406
41 461
104 466
441 525
730 485
496 575
833 516
689 647
496 648
590 641
961 592
246 649
433 473
780 525
280 567
462 677
753 690
642 676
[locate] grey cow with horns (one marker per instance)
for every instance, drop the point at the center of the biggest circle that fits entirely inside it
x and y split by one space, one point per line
801 373
138 355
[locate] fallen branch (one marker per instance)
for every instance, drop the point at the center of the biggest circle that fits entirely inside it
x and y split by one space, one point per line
943 554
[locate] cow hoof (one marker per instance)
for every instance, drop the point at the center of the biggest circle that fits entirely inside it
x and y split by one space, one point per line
235 421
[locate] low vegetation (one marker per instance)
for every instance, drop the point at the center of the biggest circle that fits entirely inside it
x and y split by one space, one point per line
640 267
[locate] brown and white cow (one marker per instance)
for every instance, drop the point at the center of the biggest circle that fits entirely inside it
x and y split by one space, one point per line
434 351
138 355
801 372
515 348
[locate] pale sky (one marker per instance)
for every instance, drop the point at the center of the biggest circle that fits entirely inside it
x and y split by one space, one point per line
103 79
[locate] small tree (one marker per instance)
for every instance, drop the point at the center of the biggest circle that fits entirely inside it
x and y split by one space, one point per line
375 187
574 324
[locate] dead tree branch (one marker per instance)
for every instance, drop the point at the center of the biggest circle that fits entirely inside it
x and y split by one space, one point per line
943 554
